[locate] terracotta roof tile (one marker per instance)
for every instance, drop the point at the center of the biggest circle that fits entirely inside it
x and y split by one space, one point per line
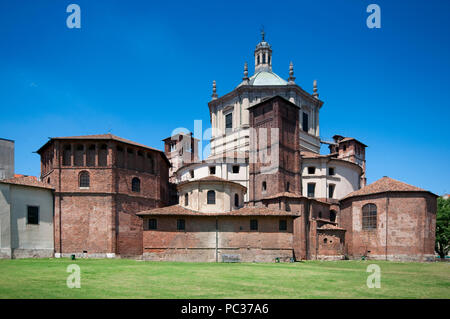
31 181
284 194
330 226
385 184
245 211
210 179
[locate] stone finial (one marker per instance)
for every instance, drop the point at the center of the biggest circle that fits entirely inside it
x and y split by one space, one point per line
315 94
291 73
214 94
245 78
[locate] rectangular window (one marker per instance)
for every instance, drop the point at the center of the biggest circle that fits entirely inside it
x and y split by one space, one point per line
181 224
331 190
305 122
152 224
33 215
311 170
235 169
229 120
331 171
192 173
212 170
253 224
283 224
311 189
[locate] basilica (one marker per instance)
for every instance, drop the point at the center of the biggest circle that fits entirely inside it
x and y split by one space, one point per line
265 193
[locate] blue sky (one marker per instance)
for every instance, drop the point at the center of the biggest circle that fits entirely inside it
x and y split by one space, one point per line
140 69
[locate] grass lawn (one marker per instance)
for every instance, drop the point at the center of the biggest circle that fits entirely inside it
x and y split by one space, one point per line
123 278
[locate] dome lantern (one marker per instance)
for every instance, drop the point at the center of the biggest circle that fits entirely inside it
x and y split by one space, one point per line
263 55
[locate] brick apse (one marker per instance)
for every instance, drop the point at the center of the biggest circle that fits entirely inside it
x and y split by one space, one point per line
101 182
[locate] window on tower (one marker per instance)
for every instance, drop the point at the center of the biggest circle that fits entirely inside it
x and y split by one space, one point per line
311 189
229 121
305 122
331 188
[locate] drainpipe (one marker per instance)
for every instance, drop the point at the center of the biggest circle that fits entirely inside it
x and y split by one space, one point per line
387 209
60 197
217 237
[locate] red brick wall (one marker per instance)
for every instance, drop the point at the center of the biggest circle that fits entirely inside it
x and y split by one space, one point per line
198 242
330 243
101 219
273 114
405 226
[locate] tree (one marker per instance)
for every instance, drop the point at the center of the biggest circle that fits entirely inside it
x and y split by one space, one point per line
442 245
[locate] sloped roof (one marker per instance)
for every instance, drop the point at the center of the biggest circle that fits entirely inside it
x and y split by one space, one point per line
330 227
177 210
284 194
385 184
31 181
211 178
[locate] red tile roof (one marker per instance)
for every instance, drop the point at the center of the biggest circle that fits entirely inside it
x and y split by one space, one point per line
385 184
31 181
284 194
211 179
330 226
177 210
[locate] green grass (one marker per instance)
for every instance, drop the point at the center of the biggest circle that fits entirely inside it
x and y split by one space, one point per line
122 278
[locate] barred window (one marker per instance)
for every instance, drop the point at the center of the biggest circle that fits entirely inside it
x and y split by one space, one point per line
311 189
152 224
84 180
181 225
67 153
229 121
33 215
253 224
136 185
369 216
211 197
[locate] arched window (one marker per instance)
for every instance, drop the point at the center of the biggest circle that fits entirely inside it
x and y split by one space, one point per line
136 185
186 199
369 216
211 197
332 215
236 200
264 186
83 179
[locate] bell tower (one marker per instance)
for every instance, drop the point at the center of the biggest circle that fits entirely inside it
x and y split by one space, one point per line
263 55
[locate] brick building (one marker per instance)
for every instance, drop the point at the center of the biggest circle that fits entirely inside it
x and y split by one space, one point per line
264 193
390 220
101 182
